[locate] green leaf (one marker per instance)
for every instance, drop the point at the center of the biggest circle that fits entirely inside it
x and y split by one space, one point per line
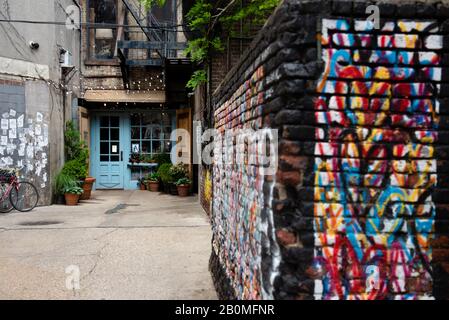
199 77
150 3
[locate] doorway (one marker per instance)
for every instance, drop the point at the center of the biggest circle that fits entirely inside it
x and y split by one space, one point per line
107 152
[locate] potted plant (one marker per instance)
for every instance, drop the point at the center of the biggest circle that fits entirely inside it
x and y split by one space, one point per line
87 188
72 195
61 182
177 172
165 177
142 183
77 154
183 186
153 182
70 188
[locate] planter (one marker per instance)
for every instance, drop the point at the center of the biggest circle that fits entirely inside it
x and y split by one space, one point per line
153 186
71 199
184 190
173 189
166 187
60 199
87 187
142 186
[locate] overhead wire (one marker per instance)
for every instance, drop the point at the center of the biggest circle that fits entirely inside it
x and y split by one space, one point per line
96 25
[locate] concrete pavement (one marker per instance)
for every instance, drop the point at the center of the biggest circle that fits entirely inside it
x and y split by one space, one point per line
126 244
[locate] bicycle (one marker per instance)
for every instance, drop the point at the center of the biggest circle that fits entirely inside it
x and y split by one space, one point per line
20 195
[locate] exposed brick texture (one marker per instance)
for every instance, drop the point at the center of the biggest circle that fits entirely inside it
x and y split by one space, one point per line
358 207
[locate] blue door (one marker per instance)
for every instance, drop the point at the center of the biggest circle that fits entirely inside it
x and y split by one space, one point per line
107 154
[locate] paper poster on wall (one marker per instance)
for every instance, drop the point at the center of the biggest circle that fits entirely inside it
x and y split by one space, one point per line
4 140
12 112
13 123
21 150
12 133
5 124
20 121
39 117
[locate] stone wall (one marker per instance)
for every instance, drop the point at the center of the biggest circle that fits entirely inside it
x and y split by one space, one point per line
358 206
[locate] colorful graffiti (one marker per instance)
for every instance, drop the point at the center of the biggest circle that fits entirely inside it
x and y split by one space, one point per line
238 193
377 119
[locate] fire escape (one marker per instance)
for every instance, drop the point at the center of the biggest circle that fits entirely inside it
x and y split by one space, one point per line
158 47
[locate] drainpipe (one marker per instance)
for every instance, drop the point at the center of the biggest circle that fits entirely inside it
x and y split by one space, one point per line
80 51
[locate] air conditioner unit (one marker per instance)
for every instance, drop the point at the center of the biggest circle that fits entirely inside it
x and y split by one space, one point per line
65 58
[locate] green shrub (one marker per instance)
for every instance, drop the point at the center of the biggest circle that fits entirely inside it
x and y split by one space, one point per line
76 169
153 177
75 148
178 171
73 190
183 182
64 181
164 173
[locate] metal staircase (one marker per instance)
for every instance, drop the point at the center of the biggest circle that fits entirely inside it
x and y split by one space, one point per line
161 42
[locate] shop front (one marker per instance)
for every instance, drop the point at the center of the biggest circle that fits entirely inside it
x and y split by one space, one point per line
117 138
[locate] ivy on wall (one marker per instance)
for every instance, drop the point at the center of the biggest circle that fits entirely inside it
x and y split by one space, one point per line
211 22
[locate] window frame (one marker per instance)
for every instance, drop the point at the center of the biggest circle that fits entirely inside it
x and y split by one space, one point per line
91 55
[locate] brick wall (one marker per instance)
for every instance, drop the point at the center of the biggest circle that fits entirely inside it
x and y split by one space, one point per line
358 206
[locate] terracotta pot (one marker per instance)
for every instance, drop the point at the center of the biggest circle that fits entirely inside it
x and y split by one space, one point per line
184 191
153 186
166 188
60 199
142 186
71 199
173 189
87 187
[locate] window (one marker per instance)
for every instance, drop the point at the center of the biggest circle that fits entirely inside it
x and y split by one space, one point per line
150 135
102 40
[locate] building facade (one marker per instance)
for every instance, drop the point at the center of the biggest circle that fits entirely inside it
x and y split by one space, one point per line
39 84
133 87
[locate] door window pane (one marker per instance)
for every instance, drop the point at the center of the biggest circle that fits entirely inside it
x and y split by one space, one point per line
104 147
115 134
104 122
115 148
157 132
104 134
115 122
146 147
157 146
146 132
135 133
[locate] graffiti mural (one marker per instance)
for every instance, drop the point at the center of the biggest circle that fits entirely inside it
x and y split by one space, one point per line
238 193
375 168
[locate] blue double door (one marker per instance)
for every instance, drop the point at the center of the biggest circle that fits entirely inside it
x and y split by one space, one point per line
108 145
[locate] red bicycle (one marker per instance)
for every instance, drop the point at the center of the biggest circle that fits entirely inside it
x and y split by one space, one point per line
15 194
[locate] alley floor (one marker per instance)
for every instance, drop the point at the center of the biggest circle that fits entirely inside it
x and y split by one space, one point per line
125 244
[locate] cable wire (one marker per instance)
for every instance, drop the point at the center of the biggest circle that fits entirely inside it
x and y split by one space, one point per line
97 25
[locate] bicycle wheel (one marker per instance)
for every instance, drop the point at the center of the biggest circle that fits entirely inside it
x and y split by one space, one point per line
25 197
5 204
